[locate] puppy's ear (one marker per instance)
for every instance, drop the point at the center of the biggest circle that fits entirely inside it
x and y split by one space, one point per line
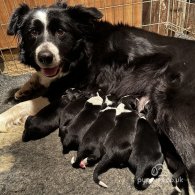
84 13
17 18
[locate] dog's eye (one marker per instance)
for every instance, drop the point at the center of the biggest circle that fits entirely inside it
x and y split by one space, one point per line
60 32
34 33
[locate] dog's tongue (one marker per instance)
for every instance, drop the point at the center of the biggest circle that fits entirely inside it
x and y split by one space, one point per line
49 72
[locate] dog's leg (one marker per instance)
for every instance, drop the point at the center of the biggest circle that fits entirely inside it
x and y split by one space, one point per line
18 113
44 122
27 89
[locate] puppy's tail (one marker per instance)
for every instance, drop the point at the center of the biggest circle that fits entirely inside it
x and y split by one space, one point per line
101 167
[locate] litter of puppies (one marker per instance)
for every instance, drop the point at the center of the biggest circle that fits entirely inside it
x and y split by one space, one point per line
112 133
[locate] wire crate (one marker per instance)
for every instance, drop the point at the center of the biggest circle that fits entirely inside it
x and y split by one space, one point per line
166 17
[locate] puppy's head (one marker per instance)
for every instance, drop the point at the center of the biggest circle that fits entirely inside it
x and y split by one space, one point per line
129 102
50 36
109 101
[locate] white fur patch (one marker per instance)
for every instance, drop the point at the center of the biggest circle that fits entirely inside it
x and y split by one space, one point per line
177 189
190 188
72 161
96 100
42 16
48 46
151 180
108 108
85 161
143 117
121 109
108 102
102 184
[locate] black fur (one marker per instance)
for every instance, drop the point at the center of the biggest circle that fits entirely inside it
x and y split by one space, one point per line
41 125
122 60
69 112
118 144
92 142
174 112
146 159
74 132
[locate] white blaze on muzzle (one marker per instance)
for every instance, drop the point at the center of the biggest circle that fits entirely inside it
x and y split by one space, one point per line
50 47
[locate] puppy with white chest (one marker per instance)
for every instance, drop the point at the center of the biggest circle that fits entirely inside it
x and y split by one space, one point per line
118 144
90 148
75 131
146 159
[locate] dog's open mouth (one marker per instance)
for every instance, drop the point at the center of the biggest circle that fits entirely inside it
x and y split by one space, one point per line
50 72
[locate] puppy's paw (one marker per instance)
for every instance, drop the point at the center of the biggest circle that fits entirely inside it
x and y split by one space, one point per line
21 94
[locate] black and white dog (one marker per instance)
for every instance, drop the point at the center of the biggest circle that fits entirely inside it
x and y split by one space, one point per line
74 132
90 149
117 146
69 47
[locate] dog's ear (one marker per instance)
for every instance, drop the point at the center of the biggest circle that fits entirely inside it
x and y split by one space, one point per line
84 13
17 18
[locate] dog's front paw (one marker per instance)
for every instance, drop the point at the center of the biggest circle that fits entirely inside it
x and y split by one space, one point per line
3 126
20 121
9 125
21 94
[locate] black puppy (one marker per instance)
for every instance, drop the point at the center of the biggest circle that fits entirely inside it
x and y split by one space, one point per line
118 144
47 120
69 112
75 131
146 159
90 148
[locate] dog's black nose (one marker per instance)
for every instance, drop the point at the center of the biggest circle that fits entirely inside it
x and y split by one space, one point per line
45 57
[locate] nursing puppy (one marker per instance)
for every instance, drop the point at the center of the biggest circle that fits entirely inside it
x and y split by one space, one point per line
70 111
174 164
47 120
75 131
146 158
90 148
118 144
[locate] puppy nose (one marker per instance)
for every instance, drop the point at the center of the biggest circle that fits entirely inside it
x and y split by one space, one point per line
45 57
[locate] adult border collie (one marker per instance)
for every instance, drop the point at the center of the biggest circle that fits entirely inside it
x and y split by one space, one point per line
70 47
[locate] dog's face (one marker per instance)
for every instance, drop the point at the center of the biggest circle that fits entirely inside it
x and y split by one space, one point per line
49 35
